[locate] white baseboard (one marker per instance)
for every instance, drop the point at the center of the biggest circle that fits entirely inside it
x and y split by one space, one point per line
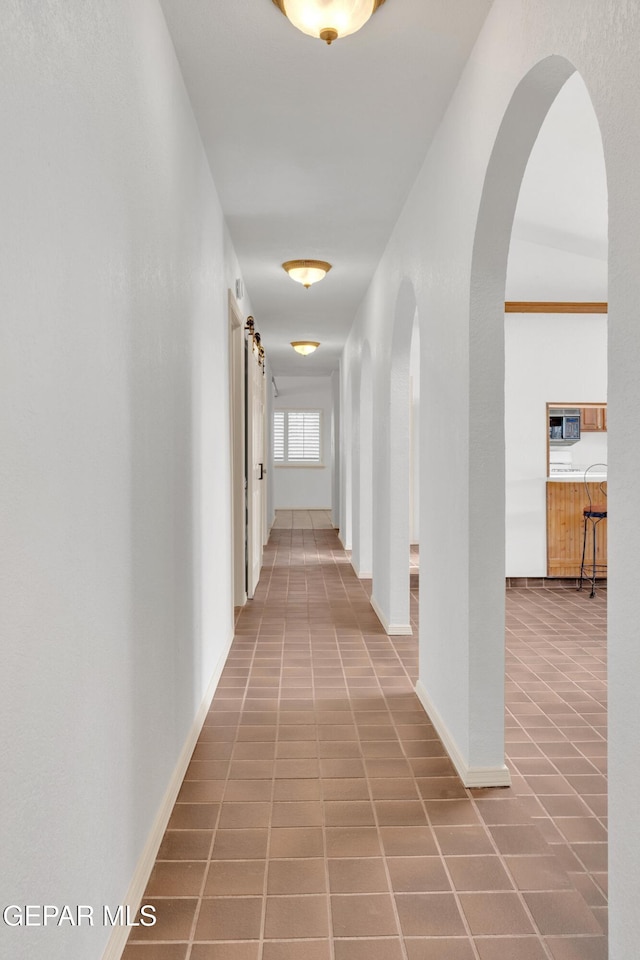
305 509
120 934
367 575
391 629
498 776
345 544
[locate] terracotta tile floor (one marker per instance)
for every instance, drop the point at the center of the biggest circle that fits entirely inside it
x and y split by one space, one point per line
320 818
303 520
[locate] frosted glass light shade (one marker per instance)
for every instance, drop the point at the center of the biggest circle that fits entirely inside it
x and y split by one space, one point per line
307 272
305 347
328 19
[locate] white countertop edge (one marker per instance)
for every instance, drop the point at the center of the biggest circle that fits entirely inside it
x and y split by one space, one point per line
576 478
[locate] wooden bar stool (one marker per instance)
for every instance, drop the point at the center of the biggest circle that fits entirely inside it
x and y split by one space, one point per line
593 514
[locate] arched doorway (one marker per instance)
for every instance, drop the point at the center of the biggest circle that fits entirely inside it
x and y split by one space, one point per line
556 339
464 690
362 452
519 130
390 597
346 463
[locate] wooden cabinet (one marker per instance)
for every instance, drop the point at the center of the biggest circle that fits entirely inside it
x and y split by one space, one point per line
565 526
593 419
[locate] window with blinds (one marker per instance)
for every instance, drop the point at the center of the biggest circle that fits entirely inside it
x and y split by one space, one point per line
296 436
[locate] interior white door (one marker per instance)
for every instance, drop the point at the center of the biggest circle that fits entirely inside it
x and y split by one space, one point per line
256 477
237 426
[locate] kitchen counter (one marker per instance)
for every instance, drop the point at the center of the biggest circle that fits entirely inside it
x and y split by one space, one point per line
566 500
576 477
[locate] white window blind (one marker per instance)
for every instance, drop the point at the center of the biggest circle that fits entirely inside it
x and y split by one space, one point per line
296 436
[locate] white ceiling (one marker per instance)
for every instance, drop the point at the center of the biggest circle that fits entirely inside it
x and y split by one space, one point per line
314 148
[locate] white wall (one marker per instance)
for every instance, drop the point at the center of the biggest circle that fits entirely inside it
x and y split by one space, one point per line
414 457
114 429
268 435
548 358
308 487
336 466
362 468
451 245
538 271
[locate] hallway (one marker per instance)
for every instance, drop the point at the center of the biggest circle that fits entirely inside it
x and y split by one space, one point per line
320 818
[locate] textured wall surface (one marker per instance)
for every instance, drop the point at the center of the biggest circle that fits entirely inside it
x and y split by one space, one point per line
114 500
451 242
114 572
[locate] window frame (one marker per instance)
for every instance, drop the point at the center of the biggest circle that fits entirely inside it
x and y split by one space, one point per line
286 462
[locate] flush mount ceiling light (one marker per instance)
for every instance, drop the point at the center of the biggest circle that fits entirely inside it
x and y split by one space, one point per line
305 347
307 272
328 20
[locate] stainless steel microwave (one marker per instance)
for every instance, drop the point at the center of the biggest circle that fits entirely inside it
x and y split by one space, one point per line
564 426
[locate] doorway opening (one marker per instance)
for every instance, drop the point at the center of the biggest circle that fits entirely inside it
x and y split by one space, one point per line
541 241
398 485
237 432
362 553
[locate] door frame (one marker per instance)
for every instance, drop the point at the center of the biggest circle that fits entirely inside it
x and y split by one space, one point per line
237 452
255 406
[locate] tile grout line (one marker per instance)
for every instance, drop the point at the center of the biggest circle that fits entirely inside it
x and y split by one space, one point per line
400 934
540 658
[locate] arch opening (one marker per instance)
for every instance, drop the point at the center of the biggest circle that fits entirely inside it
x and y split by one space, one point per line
391 561
362 469
536 240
